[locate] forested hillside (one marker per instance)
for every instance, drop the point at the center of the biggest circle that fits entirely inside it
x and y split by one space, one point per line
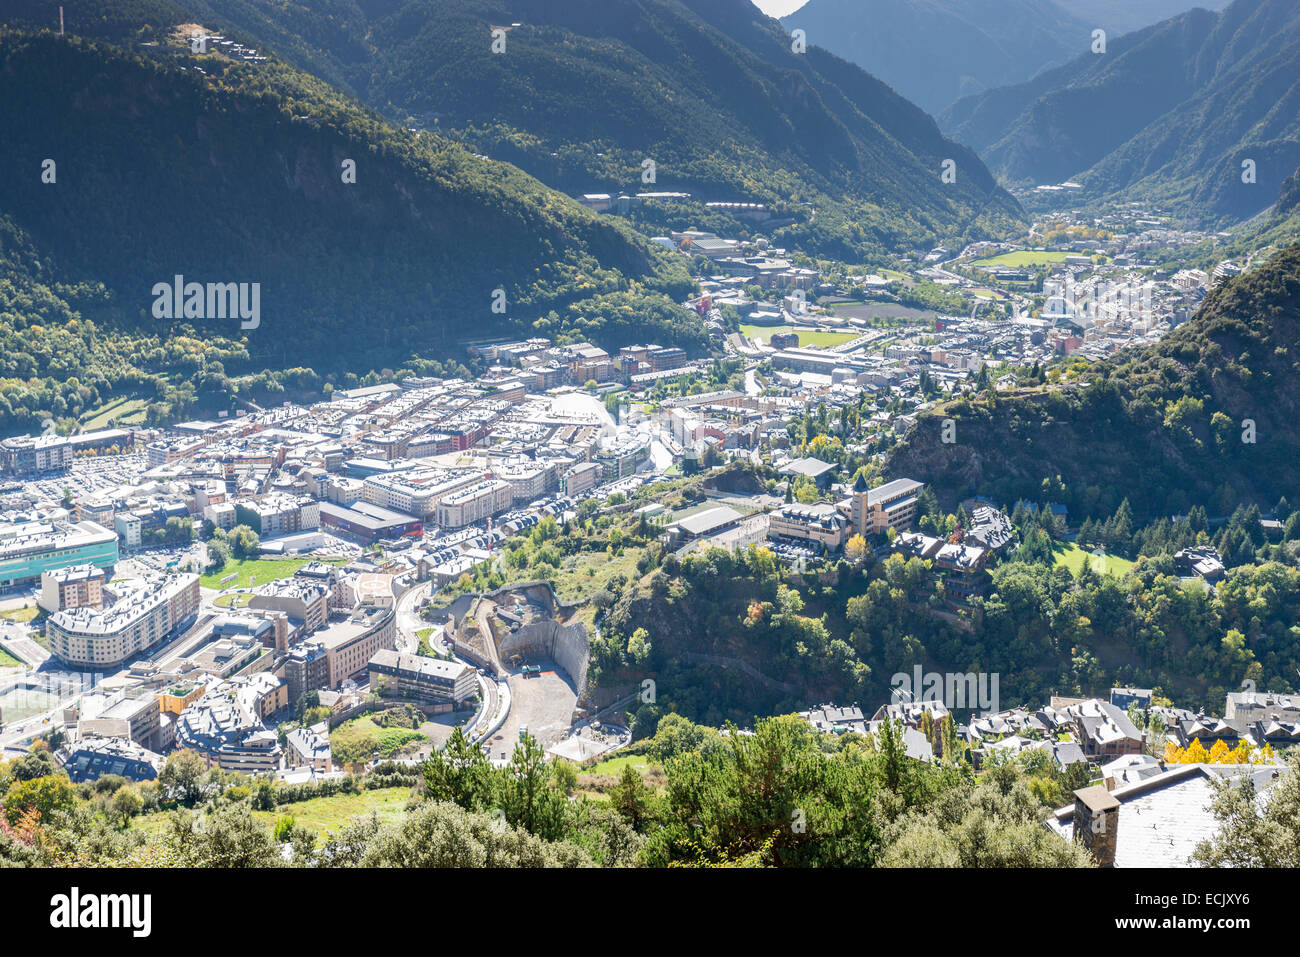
710 90
139 161
1214 404
937 51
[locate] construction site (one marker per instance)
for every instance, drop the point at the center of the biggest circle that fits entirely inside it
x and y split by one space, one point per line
524 636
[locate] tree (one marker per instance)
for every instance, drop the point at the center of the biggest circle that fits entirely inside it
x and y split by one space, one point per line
219 553
244 542
37 763
529 797
182 777
43 795
1255 833
230 837
439 834
458 773
631 798
127 803
855 550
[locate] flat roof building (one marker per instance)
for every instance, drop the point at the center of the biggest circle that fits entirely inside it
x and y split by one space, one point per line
98 638
29 549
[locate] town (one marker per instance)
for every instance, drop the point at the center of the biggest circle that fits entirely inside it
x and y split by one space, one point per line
249 586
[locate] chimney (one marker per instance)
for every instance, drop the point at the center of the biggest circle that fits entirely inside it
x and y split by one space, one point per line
1096 823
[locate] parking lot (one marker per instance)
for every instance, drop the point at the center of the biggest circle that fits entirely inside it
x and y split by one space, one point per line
543 704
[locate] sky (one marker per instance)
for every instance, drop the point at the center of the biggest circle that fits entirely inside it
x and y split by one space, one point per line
779 8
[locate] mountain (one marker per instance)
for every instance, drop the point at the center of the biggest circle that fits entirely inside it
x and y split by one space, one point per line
936 51
1168 113
222 170
1124 16
709 90
1213 404
141 161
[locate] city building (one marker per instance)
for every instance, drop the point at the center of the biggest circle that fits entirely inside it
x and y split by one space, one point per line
77 586
93 757
103 637
227 726
31 548
350 643
476 503
422 679
30 455
820 524
366 523
309 748
892 505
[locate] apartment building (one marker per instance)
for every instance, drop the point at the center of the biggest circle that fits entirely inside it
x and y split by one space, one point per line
279 514
580 479
227 726
305 600
77 586
476 503
136 717
819 524
105 637
620 459
350 643
28 454
422 679
892 505
417 492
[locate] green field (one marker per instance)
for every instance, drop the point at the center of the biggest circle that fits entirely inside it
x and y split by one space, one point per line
322 815
361 739
19 703
129 410
616 765
246 569
807 337
328 814
1023 257
1072 557
8 661
21 614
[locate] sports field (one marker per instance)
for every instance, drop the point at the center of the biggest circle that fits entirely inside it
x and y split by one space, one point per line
807 337
1023 257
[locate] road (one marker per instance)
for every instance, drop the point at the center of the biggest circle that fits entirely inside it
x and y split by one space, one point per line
409 622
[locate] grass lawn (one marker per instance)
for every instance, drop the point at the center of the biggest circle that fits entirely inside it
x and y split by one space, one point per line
329 814
807 337
1072 557
582 575
8 661
361 739
21 614
616 765
234 599
129 409
1023 257
246 569
322 815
